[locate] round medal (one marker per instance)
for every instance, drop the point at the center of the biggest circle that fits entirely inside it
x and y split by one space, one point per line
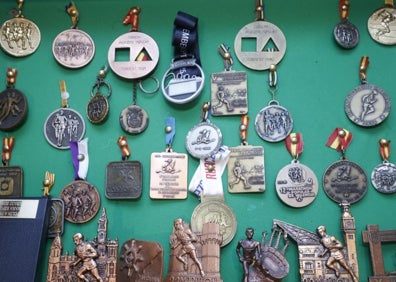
383 178
62 126
382 26
13 105
367 105
82 201
345 181
98 108
73 48
20 37
203 140
215 211
346 34
134 119
296 185
273 123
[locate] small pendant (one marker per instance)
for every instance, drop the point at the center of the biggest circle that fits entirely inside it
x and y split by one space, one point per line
98 109
203 140
134 119
346 34
383 178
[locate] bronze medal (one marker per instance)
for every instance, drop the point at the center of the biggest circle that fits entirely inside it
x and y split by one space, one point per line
11 181
98 106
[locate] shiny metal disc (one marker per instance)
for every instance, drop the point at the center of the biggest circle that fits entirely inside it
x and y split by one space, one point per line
269 49
367 105
203 140
134 119
13 109
98 109
296 185
345 181
218 212
62 126
382 26
383 178
346 34
73 48
273 123
20 37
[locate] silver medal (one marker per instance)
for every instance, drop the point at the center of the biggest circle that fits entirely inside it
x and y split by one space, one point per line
296 185
346 34
382 26
383 178
367 105
134 119
273 123
203 140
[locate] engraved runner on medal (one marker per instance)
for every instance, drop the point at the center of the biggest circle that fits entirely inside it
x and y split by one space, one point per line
382 24
124 178
13 104
270 46
228 88
367 105
98 106
273 123
383 176
204 139
168 170
73 48
296 184
11 177
246 170
19 36
345 33
65 124
81 198
343 181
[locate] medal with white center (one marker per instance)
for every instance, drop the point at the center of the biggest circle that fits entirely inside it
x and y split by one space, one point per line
382 24
383 176
345 33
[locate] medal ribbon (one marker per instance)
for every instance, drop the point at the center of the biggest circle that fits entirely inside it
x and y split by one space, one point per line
344 9
259 10
64 94
170 131
225 53
294 144
8 145
384 148
79 151
11 77
389 3
72 11
48 182
123 144
339 139
364 63
243 128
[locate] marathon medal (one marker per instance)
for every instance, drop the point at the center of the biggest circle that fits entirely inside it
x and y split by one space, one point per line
204 139
185 79
123 178
383 176
296 184
343 181
64 125
168 170
228 88
270 46
345 33
98 107
382 25
11 177
367 105
13 104
246 170
73 48
19 36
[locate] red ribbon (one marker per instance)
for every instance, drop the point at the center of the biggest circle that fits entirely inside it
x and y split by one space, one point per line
339 139
243 129
344 9
384 149
294 144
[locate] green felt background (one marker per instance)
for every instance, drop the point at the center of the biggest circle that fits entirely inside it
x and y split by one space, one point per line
315 76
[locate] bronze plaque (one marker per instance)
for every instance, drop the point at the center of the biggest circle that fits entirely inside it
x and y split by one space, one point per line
11 184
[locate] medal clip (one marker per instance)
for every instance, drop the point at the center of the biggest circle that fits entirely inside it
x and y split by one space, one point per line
72 11
272 82
8 145
205 111
224 51
123 144
259 10
100 82
344 9
64 94
132 18
389 3
48 182
384 149
11 77
20 5
243 129
364 63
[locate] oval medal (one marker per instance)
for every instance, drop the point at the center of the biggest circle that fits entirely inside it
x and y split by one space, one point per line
382 26
383 178
98 108
273 123
13 105
134 119
346 34
203 140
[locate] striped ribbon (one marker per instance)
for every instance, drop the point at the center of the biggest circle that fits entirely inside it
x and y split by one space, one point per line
294 144
339 139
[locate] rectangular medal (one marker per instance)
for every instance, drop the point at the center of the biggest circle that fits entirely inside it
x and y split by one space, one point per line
123 180
246 169
229 93
168 175
11 181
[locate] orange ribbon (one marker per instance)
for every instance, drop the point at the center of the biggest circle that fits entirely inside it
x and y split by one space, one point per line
344 9
384 148
123 144
8 145
339 139
364 63
243 128
294 144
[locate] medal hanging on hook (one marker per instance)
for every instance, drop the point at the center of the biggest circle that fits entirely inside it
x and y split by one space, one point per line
273 123
73 48
345 33
383 175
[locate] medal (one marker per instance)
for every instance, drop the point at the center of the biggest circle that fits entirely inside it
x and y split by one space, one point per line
265 34
204 139
98 106
367 105
124 178
73 48
13 104
81 198
383 176
228 88
11 177
296 184
19 36
246 165
64 125
168 170
345 33
382 24
273 123
343 181
185 79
